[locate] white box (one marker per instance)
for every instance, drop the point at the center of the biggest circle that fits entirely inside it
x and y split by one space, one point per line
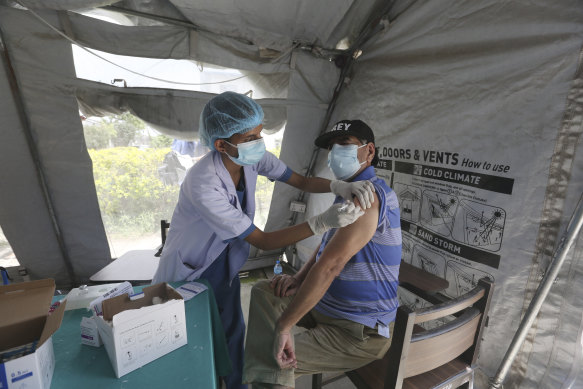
89 332
33 371
28 323
140 332
81 297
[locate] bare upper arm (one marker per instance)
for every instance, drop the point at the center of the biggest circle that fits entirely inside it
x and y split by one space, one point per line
348 240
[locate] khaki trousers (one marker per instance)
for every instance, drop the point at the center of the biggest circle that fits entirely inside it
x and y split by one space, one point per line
328 344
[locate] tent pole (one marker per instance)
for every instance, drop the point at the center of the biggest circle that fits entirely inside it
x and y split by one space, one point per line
571 233
19 103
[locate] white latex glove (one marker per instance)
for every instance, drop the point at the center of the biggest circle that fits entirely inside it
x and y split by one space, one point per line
363 190
337 216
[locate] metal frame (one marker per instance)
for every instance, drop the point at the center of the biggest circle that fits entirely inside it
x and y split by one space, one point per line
571 233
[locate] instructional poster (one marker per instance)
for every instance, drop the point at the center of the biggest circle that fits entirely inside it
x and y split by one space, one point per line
452 212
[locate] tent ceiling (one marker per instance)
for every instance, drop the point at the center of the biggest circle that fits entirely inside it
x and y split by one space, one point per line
273 24
154 7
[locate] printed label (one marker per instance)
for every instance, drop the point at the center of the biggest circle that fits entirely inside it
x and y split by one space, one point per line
3 381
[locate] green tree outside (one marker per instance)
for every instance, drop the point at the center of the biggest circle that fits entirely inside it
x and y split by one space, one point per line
126 126
99 136
118 131
161 141
131 195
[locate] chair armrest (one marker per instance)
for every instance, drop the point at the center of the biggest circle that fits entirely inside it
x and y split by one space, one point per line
468 315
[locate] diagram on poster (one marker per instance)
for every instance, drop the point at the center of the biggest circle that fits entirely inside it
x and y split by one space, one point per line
463 278
406 249
438 211
428 260
452 212
479 225
409 201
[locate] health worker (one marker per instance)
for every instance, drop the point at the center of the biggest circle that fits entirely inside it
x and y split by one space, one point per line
212 225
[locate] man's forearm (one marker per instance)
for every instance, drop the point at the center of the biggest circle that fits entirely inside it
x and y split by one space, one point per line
301 274
312 289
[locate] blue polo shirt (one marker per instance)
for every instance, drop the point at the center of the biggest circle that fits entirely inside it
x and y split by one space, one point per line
366 289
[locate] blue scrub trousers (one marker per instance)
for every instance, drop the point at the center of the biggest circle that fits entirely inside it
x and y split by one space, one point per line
229 303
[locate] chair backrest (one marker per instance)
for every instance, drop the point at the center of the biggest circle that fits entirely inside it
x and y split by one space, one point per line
164 226
415 352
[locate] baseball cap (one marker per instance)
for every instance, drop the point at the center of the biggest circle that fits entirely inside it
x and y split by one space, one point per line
356 128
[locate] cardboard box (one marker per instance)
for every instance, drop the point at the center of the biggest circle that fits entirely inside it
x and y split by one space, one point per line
123 289
140 332
26 331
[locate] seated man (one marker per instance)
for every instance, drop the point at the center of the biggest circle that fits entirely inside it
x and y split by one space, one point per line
345 295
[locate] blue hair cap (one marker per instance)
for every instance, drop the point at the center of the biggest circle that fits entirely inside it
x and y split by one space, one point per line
227 114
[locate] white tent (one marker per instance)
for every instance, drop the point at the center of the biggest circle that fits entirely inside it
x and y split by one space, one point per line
477 107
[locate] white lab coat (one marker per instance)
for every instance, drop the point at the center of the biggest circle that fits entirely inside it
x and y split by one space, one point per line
208 216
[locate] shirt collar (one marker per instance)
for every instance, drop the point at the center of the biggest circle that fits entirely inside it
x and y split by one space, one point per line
366 174
223 173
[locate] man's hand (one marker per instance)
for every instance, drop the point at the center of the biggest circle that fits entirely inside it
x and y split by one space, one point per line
337 216
363 190
283 349
284 285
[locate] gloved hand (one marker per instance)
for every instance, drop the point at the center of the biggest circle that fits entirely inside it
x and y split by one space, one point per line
337 216
363 190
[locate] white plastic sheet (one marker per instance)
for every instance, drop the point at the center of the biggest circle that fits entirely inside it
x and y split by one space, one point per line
172 112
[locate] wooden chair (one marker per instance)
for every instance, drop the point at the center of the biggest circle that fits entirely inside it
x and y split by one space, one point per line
164 226
442 357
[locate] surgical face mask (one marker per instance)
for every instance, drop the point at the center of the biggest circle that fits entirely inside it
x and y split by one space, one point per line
249 152
343 160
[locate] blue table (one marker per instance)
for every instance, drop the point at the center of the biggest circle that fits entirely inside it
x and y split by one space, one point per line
195 365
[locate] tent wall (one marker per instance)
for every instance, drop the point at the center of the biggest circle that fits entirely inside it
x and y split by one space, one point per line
311 87
58 138
477 111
